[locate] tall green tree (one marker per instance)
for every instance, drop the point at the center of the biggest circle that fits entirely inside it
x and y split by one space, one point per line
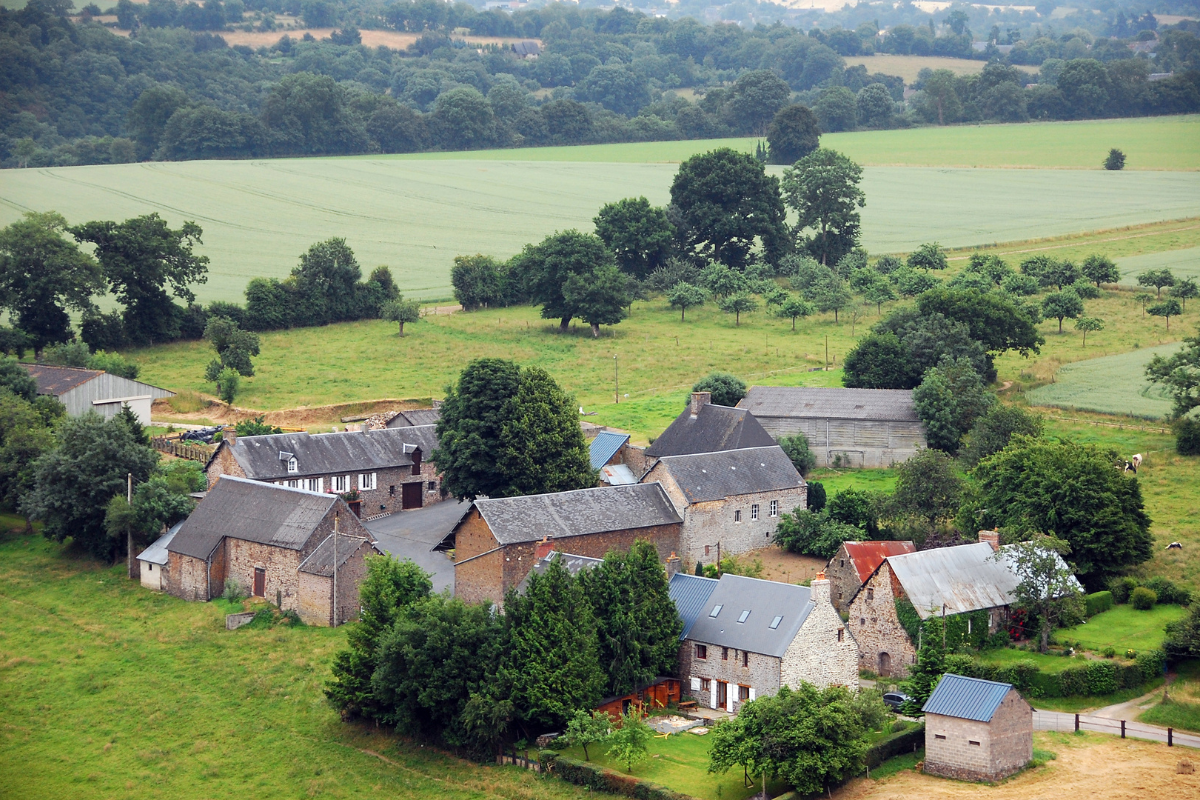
42 275
470 428
928 489
949 400
940 101
541 447
235 348
148 116
1179 374
326 281
823 190
996 321
879 360
25 435
547 267
727 205
924 675
156 505
793 134
139 258
476 280
598 298
638 234
1185 290
992 432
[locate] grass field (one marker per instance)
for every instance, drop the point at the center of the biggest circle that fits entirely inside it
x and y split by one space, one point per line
907 67
1123 628
1110 385
110 690
1182 263
1181 710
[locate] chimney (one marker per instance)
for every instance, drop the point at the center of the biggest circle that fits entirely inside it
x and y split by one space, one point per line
700 399
544 548
819 589
229 434
992 538
673 565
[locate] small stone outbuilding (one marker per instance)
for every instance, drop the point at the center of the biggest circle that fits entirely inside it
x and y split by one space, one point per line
976 730
853 564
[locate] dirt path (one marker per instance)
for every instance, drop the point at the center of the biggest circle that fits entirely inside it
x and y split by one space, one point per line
1130 709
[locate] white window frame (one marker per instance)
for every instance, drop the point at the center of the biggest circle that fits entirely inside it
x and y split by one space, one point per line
754 512
293 465
340 483
294 484
366 481
774 508
314 484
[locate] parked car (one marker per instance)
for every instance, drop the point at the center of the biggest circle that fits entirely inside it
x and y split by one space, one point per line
894 700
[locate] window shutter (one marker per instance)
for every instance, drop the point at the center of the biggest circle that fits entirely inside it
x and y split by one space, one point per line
751 692
695 684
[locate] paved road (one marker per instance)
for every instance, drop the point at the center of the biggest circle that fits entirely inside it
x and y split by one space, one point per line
414 534
1059 721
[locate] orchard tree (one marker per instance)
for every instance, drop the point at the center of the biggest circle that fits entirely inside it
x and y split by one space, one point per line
794 307
1158 278
638 234
1099 269
823 189
1061 305
629 743
1087 325
401 311
830 294
738 304
1185 290
1179 374
1142 298
723 281
684 296
878 291
1166 309
1046 587
586 728
928 256
793 134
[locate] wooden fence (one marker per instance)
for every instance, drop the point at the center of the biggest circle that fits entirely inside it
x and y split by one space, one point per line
179 449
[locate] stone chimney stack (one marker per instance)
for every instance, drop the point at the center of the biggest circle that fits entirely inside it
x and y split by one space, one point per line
992 538
544 548
819 589
699 399
674 563
229 434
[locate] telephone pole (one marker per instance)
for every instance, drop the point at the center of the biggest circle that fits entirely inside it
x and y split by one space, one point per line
616 381
336 516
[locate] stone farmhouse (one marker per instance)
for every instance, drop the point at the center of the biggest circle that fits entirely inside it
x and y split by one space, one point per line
939 582
497 543
976 730
854 562
707 428
847 427
88 390
389 469
730 500
745 638
274 542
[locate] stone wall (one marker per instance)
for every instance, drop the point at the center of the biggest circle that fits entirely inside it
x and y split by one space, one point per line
279 564
223 463
980 751
843 579
877 629
824 652
726 664
187 577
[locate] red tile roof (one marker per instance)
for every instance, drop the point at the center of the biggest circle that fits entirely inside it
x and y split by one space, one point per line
867 556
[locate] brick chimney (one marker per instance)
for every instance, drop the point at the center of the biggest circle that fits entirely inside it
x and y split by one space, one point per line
819 589
699 399
544 548
229 434
992 538
674 563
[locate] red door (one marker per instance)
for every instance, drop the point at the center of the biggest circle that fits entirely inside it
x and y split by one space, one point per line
722 694
410 495
260 582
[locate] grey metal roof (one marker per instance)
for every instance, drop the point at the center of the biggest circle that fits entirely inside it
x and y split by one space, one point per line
765 600
617 475
583 511
574 564
830 403
156 553
963 578
966 698
254 512
320 561
713 428
690 593
332 453
55 381
605 446
414 417
715 476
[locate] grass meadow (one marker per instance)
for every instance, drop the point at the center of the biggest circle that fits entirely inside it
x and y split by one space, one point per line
907 67
110 690
1111 385
1124 628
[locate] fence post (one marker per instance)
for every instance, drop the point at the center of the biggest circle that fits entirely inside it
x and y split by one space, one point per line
1170 737
1122 729
1077 723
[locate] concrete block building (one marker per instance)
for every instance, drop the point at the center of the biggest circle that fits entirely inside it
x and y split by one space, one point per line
389 469
853 564
731 498
745 638
976 730
846 427
83 391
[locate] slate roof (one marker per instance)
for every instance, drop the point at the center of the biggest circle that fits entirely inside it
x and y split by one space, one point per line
415 417
825 403
156 553
605 446
867 556
690 593
254 512
576 513
320 561
715 476
966 698
713 428
332 453
57 381
526 47
573 563
765 600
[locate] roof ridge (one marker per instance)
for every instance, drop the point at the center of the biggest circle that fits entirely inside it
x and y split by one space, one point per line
270 485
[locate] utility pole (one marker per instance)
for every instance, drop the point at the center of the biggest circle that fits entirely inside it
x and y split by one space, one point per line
827 352
616 381
128 529
336 516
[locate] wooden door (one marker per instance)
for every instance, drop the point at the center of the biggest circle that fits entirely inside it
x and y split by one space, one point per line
722 694
260 582
410 495
885 665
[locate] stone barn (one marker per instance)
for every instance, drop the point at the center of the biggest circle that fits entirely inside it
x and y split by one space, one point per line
500 540
88 390
745 638
274 542
976 730
846 427
853 564
707 428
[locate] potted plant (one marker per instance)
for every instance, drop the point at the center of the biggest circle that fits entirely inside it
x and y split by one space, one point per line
354 501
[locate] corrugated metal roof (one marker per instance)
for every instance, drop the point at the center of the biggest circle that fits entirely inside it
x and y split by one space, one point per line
764 600
331 453
715 476
830 403
156 553
713 429
534 517
574 564
690 593
617 475
966 698
56 381
320 561
605 446
867 556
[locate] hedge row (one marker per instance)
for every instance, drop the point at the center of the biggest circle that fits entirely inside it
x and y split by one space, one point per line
601 779
1093 678
898 744
1097 603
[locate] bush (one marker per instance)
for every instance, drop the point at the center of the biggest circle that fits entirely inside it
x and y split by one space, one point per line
1187 436
816 495
1109 652
1121 588
727 390
796 448
1101 677
906 741
599 779
1115 159
1143 599
1151 664
1097 603
1168 592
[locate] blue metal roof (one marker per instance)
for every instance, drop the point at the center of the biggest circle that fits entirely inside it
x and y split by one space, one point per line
605 446
966 698
690 594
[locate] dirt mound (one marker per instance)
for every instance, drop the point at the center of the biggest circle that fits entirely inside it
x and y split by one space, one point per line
220 413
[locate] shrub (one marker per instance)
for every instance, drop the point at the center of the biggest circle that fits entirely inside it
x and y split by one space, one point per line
1109 652
1121 588
1101 677
1143 599
233 591
1151 663
796 448
1115 160
600 779
726 389
1187 436
1169 592
1073 681
1097 603
816 496
907 740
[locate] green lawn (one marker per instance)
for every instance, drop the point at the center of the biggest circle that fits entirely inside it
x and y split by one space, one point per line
110 690
838 480
1181 710
1124 628
1045 662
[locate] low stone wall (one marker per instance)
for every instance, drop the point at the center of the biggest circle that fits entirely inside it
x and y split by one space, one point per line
235 621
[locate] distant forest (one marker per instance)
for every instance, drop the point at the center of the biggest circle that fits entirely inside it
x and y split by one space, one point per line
73 91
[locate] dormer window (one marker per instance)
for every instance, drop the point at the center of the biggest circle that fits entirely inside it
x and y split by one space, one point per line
293 465
744 616
716 610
